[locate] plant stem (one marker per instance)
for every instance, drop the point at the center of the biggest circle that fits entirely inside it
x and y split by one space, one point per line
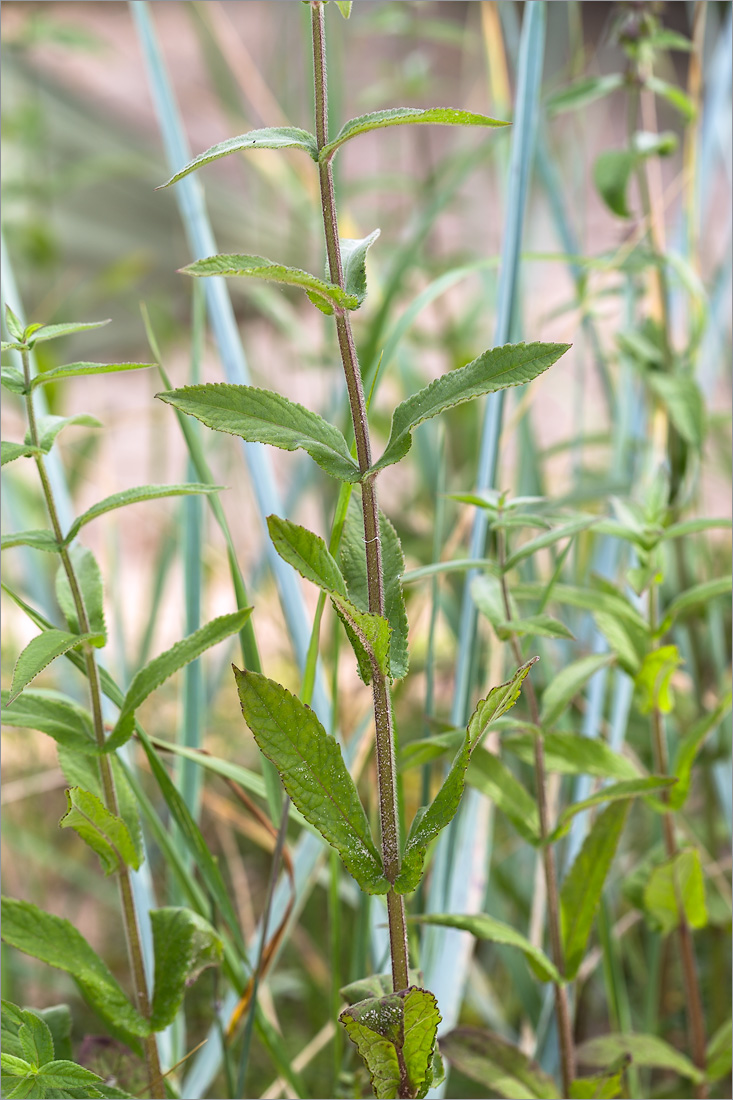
132 933
562 1008
386 771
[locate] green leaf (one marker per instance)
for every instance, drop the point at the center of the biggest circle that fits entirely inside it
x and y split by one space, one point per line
653 679
55 941
81 770
353 564
104 832
50 426
620 641
259 267
688 748
160 668
38 540
674 95
583 884
64 1078
15 328
261 416
572 754
549 538
58 1019
591 599
693 598
510 365
135 496
353 259
11 378
488 774
497 1065
617 792
369 635
74 370
684 403
35 1039
344 6
484 927
89 579
646 1051
582 92
395 1036
533 626
600 1087
10 451
718 1055
611 174
375 985
40 652
184 945
52 332
569 681
272 137
400 116
307 553
429 822
313 772
677 882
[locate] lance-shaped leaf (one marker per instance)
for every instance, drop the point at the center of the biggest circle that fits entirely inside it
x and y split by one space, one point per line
572 754
395 1036
184 944
41 333
10 451
261 416
617 792
40 652
549 538
677 883
160 668
344 6
259 267
54 714
272 137
429 822
569 681
582 92
15 327
401 116
718 1053
50 426
646 1051
583 884
353 259
10 377
688 748
510 365
313 772
654 679
136 496
103 831
353 564
684 402
89 579
488 774
693 598
74 370
369 635
484 927
55 941
38 540
497 1065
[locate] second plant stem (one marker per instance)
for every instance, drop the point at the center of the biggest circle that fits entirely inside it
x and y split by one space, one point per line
562 1008
129 915
383 718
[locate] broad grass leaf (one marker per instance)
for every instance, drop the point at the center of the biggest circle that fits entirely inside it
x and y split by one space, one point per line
510 365
617 792
647 1051
38 540
76 370
583 884
307 553
498 1066
484 927
259 267
569 681
313 772
40 652
395 1036
135 496
353 565
430 821
89 579
677 882
56 941
400 116
488 774
10 451
104 832
160 668
184 944
572 754
50 426
271 137
262 416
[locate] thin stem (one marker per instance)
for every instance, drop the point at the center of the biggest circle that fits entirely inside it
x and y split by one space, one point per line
129 915
385 752
562 1008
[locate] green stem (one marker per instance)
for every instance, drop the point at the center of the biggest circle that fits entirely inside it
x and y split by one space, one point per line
129 915
386 771
562 1008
